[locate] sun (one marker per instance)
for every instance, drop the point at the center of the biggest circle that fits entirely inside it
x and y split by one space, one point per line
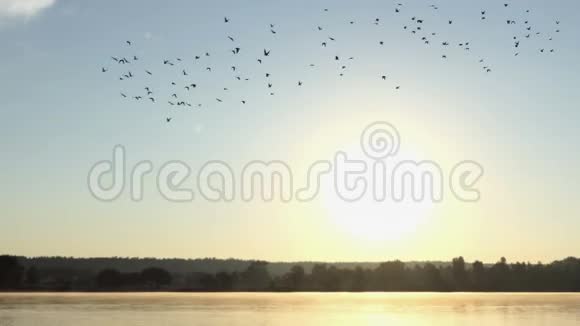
369 220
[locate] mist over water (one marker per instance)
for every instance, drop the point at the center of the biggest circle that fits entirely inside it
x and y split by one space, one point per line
146 309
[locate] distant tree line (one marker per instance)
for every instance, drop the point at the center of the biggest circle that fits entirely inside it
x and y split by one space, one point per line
457 275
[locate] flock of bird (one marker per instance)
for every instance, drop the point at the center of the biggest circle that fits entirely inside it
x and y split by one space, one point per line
179 93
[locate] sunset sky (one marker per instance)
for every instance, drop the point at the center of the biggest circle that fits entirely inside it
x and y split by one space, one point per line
61 115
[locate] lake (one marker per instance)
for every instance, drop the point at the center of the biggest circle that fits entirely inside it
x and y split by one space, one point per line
302 309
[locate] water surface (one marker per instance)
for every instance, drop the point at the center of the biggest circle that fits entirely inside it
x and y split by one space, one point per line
301 309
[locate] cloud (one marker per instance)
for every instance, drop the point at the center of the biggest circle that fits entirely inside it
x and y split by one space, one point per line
23 8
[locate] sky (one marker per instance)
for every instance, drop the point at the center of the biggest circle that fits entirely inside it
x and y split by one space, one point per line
61 114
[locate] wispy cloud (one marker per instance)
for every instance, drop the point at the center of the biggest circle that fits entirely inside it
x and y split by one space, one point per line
23 8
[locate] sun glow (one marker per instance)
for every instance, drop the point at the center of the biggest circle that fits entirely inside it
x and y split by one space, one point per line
376 221
373 220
